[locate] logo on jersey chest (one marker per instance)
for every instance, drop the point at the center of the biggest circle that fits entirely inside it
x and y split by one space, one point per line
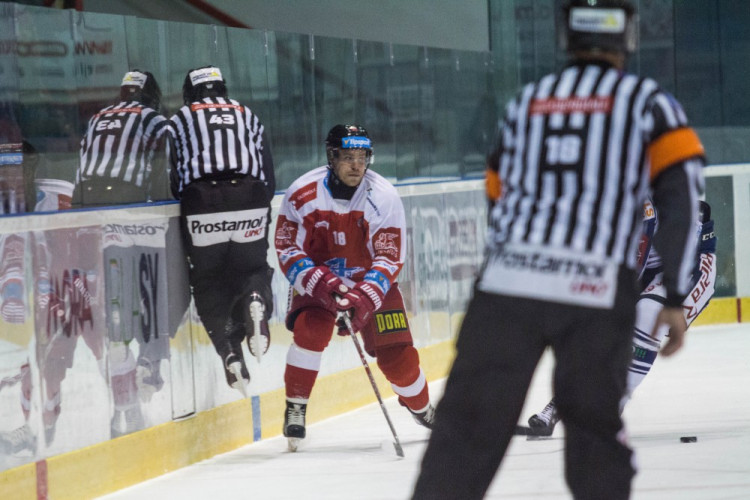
303 195
586 105
338 266
391 322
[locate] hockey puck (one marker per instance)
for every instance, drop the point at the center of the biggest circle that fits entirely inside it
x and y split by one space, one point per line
688 439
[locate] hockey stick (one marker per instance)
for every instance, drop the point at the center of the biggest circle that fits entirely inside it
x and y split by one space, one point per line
13 379
352 334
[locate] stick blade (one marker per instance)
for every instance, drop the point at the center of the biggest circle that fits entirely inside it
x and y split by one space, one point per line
399 449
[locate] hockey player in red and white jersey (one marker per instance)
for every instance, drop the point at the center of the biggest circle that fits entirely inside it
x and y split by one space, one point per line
650 303
341 243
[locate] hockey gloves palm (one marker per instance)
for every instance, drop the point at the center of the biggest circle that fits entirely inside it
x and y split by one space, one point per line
359 303
321 284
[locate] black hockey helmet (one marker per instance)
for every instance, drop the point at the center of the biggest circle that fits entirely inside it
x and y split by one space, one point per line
598 25
141 86
203 82
348 137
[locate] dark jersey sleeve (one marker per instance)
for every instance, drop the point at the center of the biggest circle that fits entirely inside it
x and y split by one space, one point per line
676 159
268 170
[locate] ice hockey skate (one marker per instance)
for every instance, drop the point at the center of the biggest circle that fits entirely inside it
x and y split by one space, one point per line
125 421
148 379
19 440
50 413
294 424
236 373
259 337
541 424
425 417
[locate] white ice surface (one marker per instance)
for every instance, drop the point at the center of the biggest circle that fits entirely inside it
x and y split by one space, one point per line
702 391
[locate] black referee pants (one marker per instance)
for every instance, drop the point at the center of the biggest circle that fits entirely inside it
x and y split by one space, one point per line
222 275
499 346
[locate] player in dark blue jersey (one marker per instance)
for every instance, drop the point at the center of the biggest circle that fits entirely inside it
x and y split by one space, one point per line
651 302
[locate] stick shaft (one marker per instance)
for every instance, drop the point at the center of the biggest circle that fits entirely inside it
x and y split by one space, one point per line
361 353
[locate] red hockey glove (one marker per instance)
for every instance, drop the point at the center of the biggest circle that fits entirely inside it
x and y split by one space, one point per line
359 303
321 284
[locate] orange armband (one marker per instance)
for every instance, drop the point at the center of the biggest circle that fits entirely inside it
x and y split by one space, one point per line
674 146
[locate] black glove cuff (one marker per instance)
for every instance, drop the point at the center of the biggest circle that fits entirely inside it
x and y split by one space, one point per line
673 300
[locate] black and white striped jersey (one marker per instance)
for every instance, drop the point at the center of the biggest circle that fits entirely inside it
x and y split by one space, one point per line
578 153
218 136
120 143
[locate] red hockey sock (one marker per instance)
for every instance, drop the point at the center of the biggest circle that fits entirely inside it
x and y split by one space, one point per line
400 365
302 366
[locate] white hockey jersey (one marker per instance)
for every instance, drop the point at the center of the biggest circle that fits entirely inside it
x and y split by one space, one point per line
704 272
359 239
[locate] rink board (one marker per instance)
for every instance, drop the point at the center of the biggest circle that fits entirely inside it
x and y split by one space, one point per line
133 458
436 280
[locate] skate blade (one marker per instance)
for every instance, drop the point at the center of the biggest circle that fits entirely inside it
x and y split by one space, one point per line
533 433
242 387
255 344
293 444
538 438
241 383
256 312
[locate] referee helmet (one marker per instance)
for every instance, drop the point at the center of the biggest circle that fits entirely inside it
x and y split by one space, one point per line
141 86
599 26
203 82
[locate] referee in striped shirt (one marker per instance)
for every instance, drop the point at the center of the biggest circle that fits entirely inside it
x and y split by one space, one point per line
579 151
222 173
122 158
